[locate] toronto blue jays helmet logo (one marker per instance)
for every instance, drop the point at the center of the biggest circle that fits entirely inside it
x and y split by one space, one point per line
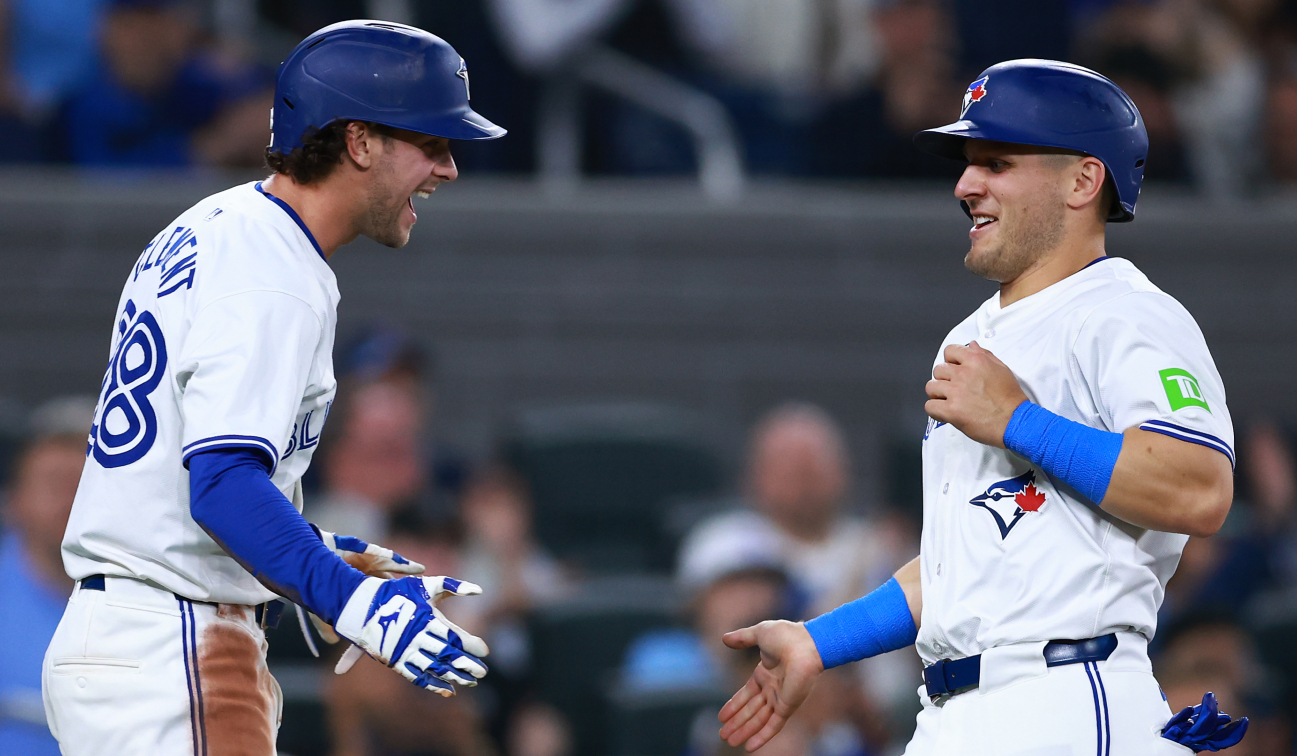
1008 500
976 91
463 74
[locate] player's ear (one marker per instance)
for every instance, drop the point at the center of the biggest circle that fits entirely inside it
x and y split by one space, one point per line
360 144
1088 175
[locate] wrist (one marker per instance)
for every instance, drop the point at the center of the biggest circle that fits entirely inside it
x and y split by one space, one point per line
808 641
869 626
356 609
1080 456
1019 428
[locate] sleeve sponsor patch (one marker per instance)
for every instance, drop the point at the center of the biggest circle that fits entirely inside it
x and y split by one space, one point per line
1182 389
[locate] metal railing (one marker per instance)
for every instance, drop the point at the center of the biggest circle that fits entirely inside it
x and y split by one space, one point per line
721 173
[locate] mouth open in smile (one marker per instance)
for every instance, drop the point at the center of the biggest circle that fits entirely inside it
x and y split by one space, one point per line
981 222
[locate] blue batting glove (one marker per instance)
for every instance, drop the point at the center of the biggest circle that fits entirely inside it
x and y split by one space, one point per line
1204 727
397 622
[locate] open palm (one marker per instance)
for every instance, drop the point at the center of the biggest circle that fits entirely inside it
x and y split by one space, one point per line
780 683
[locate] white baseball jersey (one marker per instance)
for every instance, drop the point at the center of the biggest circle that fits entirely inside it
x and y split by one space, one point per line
224 338
1009 554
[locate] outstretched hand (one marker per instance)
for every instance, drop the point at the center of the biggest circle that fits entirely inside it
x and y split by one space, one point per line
780 683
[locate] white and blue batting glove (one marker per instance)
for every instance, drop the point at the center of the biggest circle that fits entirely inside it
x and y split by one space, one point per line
369 558
397 622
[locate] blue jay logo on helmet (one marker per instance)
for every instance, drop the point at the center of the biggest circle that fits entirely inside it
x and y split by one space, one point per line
463 74
1009 500
976 91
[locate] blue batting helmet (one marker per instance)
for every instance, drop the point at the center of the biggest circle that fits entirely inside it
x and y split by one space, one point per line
376 71
1051 104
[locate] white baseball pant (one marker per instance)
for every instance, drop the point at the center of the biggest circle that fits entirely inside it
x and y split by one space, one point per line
134 669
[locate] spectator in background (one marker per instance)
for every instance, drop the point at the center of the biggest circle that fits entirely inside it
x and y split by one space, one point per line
866 131
838 720
158 98
33 585
1256 550
373 461
46 53
1216 90
798 479
503 556
384 353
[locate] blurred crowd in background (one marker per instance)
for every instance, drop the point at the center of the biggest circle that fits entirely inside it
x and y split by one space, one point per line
614 551
810 88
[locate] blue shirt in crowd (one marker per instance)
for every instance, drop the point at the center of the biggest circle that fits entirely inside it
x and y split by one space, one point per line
53 47
34 608
106 124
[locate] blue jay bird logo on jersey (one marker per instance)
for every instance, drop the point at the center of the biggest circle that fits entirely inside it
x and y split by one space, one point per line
1008 500
125 424
976 91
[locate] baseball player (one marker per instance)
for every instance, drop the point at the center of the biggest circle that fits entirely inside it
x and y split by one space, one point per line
186 525
1078 435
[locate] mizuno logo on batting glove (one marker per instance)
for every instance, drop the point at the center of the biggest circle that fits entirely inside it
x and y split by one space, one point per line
398 623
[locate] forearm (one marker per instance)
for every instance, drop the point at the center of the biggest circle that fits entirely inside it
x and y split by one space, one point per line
910 579
1165 484
1148 479
232 498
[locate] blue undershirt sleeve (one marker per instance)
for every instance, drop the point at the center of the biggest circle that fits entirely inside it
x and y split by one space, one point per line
868 626
1080 456
231 497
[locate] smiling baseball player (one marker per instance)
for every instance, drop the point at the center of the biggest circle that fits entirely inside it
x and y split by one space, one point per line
186 523
1078 435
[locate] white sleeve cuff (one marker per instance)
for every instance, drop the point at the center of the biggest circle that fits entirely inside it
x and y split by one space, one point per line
356 610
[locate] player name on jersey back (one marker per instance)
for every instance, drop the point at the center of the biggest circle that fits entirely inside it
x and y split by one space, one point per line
1008 553
223 338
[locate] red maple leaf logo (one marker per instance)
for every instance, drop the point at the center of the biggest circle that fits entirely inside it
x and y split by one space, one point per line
977 94
1030 499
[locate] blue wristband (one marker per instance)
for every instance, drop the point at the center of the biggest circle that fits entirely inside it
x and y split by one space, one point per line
1080 456
868 626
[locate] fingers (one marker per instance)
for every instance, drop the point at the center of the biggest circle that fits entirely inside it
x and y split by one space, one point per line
742 638
771 729
956 354
750 718
325 631
755 724
348 660
449 585
936 389
347 543
943 372
457 636
393 562
433 648
738 701
426 680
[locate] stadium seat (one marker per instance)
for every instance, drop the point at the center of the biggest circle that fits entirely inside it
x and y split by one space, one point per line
601 476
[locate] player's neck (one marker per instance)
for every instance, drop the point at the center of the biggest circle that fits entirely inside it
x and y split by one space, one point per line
328 214
1067 259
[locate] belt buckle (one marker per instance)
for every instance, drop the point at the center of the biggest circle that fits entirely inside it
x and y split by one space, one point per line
934 676
268 614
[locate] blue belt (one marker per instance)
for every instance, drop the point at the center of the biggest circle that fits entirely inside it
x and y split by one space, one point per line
267 614
950 676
